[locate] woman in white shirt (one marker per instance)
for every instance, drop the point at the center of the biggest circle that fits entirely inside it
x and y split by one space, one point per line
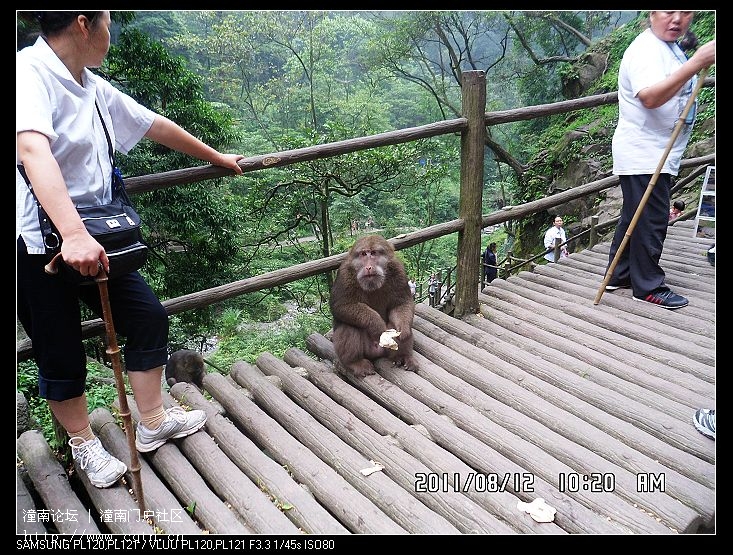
63 150
655 83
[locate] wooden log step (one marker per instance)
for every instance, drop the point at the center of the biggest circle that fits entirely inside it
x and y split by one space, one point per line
402 507
52 484
228 482
349 505
461 512
298 504
164 509
414 439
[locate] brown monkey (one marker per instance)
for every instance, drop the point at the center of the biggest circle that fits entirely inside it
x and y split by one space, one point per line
185 366
371 295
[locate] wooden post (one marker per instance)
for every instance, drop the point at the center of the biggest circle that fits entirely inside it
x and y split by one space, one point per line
473 141
508 264
557 249
593 232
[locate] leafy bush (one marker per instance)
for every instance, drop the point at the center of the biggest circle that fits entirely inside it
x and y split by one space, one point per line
273 337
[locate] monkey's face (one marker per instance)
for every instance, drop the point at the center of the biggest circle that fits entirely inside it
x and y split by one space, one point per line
369 263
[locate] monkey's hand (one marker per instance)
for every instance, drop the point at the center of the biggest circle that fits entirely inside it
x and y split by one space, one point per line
387 339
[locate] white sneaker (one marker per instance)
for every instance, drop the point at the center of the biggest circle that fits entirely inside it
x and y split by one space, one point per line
177 423
101 468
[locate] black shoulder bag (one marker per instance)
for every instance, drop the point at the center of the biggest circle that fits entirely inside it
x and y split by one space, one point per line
115 226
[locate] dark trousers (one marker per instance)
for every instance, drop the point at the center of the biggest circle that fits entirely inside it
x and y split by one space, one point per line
48 308
639 261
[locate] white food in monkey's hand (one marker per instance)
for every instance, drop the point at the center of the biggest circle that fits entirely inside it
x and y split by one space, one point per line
387 339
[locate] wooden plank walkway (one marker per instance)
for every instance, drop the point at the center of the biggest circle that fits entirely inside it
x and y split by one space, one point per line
541 395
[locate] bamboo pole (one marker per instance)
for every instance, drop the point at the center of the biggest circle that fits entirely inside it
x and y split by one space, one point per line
113 350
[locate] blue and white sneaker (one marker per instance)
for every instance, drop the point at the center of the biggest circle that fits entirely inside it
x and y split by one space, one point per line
704 420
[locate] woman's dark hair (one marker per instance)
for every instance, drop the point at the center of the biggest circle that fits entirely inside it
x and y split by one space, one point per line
52 23
492 246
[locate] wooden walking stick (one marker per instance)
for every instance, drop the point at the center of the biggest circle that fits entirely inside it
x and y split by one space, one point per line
113 350
652 182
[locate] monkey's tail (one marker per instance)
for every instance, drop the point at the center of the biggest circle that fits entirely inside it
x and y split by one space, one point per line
207 361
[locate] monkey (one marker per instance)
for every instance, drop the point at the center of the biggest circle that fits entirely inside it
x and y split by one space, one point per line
369 296
185 366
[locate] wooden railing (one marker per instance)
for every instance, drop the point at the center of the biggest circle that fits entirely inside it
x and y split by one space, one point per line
472 127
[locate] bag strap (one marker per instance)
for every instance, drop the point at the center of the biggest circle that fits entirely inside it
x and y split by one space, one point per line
118 184
51 239
118 188
110 150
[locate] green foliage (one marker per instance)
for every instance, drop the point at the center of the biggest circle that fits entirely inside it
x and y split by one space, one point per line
436 256
703 25
263 81
159 25
26 378
191 508
324 196
229 321
147 72
567 71
275 337
548 35
195 230
193 334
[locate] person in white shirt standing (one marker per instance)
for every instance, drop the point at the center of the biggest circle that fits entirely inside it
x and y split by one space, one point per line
555 232
655 83
61 110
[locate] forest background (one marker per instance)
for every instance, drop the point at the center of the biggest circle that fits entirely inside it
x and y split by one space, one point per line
255 82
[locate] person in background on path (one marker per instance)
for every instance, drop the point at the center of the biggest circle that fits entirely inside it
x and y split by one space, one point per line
556 231
61 144
432 288
490 269
676 211
655 83
413 287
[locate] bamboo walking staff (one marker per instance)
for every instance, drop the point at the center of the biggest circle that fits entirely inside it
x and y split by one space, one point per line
113 350
653 181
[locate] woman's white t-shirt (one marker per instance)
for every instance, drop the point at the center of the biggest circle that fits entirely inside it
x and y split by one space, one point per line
642 135
50 101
